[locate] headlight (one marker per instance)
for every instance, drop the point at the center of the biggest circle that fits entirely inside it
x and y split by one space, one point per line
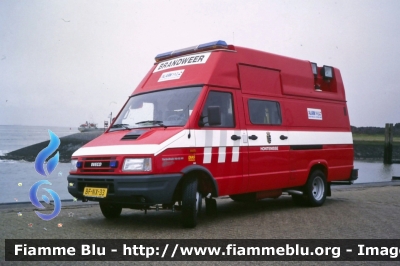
137 164
73 165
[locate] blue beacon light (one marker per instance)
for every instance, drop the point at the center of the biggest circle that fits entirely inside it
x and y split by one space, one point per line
201 47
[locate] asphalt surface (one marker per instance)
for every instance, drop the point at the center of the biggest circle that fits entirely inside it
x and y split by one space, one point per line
370 211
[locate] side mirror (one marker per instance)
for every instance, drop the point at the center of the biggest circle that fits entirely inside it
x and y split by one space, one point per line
214 115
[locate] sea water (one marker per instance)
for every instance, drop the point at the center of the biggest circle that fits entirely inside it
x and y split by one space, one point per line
17 177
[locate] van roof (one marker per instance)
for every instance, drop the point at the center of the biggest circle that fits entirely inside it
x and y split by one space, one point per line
220 67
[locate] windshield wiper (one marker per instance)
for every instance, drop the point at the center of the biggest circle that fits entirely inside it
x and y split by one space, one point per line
154 122
125 126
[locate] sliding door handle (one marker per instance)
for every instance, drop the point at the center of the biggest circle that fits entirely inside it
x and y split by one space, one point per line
253 137
235 137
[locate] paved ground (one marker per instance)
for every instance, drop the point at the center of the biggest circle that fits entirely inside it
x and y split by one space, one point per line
353 212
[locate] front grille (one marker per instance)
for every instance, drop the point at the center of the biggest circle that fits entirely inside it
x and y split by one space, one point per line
97 165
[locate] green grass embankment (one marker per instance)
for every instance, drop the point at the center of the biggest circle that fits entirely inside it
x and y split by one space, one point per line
372 139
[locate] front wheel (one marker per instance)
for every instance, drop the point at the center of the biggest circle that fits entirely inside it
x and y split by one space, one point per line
191 202
316 188
109 210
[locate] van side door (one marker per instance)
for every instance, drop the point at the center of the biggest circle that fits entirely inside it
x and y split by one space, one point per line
268 163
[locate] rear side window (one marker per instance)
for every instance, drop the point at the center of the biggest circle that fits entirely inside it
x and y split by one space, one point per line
264 112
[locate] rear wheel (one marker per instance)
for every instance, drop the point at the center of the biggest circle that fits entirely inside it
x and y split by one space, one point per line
316 188
191 202
110 210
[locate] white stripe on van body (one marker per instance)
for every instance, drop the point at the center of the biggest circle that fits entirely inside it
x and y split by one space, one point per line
116 150
207 155
180 140
235 154
300 138
221 154
212 138
319 138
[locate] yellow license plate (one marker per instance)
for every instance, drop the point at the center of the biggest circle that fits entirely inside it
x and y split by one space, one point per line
95 192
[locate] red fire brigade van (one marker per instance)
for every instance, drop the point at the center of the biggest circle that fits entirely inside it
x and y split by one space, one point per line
214 120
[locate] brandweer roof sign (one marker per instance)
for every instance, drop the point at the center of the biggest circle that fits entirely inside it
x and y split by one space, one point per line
183 61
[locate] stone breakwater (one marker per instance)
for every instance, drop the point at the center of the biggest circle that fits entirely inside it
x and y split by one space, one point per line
69 144
365 151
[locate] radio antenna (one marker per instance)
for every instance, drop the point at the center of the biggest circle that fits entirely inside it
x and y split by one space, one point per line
189 121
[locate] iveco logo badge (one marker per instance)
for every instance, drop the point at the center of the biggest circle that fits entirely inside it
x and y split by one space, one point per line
268 137
95 164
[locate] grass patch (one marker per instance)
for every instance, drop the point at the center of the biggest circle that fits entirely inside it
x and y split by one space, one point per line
372 139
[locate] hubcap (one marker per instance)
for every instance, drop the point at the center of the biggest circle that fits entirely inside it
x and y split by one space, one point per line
197 201
318 188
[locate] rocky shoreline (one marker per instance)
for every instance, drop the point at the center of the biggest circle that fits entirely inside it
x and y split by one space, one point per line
374 152
69 144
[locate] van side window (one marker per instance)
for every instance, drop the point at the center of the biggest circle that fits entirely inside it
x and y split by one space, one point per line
224 101
265 112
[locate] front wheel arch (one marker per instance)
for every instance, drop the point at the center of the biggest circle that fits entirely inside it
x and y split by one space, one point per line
207 183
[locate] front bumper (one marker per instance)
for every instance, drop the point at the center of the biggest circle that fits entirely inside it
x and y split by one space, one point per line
127 189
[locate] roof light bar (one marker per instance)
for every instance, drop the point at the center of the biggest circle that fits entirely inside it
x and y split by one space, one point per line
327 72
201 47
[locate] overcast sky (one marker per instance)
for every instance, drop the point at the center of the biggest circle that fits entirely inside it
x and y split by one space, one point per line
66 62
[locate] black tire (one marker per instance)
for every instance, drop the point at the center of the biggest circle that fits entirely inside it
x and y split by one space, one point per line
109 210
316 189
191 202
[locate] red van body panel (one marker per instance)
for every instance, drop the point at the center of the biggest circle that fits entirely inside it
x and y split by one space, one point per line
260 151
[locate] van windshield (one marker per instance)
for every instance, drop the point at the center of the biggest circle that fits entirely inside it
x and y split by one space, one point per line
160 108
